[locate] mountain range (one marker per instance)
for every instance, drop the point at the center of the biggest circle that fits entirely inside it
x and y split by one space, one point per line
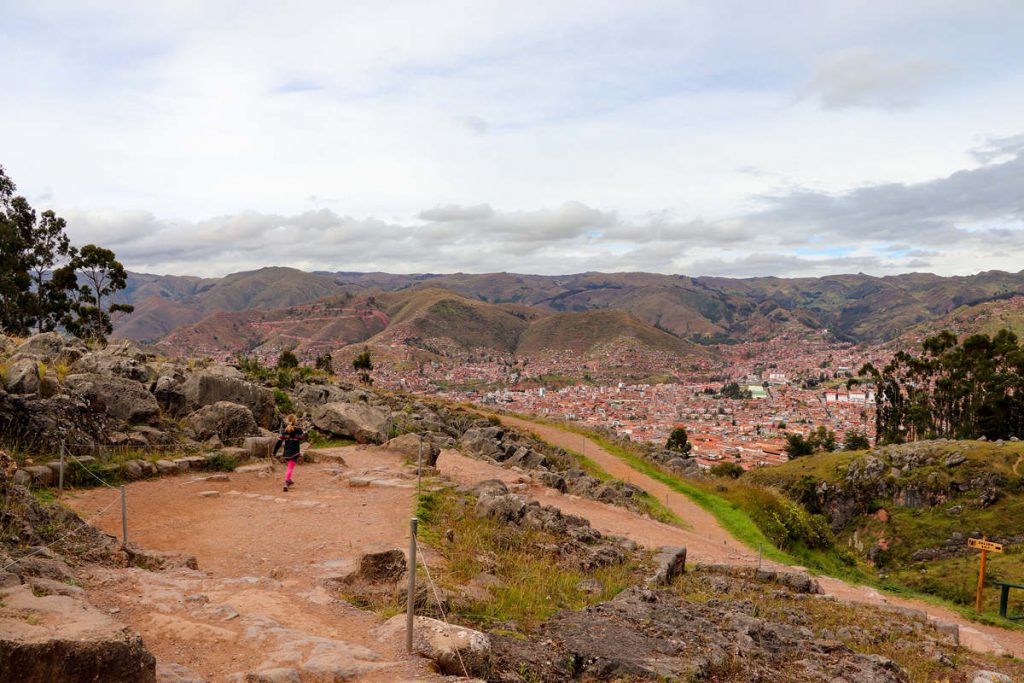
523 314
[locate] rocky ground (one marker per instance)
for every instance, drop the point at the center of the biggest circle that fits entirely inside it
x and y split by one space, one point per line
229 578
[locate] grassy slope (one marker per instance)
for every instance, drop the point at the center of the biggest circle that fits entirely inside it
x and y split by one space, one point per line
580 332
739 523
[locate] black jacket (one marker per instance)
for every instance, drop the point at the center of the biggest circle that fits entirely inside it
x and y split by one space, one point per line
291 441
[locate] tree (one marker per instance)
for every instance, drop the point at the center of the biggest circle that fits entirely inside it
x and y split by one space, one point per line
822 439
104 276
956 390
364 366
735 391
797 446
679 441
856 441
39 273
287 360
16 219
325 362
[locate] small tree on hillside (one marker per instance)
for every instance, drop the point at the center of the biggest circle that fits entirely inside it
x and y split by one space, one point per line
325 362
678 441
797 446
364 366
287 360
856 441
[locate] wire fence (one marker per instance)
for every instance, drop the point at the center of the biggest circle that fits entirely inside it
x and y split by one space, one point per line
437 599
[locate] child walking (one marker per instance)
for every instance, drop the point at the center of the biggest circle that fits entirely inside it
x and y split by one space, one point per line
291 436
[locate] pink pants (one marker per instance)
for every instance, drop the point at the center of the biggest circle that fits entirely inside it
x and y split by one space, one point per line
291 468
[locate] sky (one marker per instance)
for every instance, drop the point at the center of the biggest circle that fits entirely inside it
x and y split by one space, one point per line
701 138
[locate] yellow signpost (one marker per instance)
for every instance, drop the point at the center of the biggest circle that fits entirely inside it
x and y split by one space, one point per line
985 546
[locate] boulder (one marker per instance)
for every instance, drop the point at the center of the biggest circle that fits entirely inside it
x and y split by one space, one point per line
989 677
314 395
120 359
259 446
41 475
50 347
157 560
225 420
217 384
22 377
409 445
359 421
450 647
671 563
119 398
508 508
482 442
170 396
67 639
552 480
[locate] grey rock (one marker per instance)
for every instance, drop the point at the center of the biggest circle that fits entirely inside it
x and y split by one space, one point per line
121 399
983 676
225 420
955 458
671 562
211 386
359 421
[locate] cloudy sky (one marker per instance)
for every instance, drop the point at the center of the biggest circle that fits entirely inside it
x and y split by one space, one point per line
754 137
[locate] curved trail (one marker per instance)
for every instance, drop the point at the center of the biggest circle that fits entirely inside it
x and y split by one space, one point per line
1016 465
708 541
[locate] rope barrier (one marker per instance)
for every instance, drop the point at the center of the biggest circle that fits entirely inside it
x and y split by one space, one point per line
440 607
90 472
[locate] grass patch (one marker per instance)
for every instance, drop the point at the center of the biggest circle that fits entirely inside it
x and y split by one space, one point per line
535 581
320 440
222 462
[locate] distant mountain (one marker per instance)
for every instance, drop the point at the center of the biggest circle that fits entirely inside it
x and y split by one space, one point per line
582 332
851 307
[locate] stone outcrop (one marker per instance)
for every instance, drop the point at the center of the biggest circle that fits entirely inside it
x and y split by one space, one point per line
413 447
213 385
360 421
66 637
121 399
645 634
223 419
51 347
118 359
455 650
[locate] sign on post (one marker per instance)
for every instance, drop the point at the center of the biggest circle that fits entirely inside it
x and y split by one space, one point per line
985 546
981 544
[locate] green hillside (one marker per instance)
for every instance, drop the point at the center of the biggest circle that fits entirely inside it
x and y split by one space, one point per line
907 510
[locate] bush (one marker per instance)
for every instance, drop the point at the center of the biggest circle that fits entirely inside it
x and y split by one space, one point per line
222 462
287 359
283 401
727 469
784 521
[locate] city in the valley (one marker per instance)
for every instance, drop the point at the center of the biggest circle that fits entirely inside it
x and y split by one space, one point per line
737 403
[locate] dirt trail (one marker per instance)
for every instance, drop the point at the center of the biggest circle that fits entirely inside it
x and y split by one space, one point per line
710 542
257 602
1016 465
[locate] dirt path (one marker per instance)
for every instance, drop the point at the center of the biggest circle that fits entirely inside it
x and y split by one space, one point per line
710 542
1016 465
257 601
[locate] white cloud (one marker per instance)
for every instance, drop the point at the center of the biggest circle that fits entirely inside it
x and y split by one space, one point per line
602 134
860 77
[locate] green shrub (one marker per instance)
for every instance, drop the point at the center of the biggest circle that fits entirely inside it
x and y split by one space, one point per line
222 462
283 401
